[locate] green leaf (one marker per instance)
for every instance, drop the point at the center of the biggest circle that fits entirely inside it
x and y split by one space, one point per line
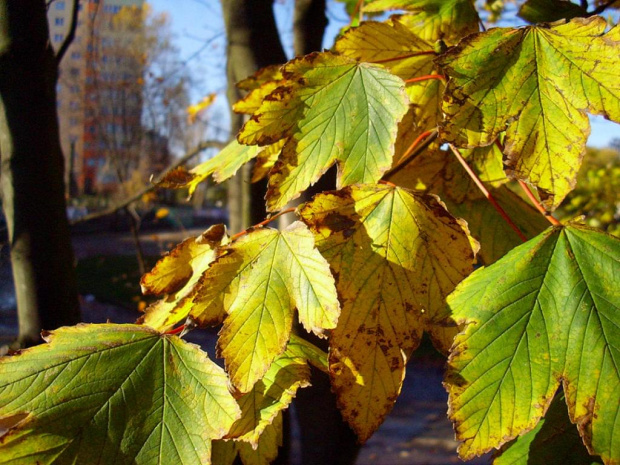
547 311
259 280
432 20
536 83
177 275
554 441
392 278
270 396
330 109
547 11
301 348
113 394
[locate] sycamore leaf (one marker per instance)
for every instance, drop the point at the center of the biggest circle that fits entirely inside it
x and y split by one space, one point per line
272 394
222 166
549 311
260 77
392 278
331 109
547 11
535 83
432 20
299 347
265 160
113 394
223 452
406 56
253 101
177 275
259 280
554 441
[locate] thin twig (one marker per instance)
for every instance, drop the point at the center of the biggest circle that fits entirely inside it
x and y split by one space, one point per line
404 57
71 35
428 77
184 159
404 160
486 192
531 196
602 8
265 222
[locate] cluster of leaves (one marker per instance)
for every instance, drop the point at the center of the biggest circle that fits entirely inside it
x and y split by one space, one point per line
374 264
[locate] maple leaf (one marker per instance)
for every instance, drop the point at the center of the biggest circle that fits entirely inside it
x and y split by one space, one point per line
530 317
177 275
535 83
93 386
392 278
259 280
330 109
432 20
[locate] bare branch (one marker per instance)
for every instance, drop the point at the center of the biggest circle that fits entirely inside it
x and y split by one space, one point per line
184 159
71 35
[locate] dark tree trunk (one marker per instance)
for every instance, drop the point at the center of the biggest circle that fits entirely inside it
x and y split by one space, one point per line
32 175
253 43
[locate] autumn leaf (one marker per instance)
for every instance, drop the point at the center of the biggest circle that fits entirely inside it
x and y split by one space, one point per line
260 77
392 278
194 110
94 386
259 280
535 83
547 11
554 441
267 449
530 318
432 20
176 275
272 394
222 166
330 109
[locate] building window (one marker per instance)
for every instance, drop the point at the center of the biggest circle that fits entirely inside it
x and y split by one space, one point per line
60 5
74 105
74 72
92 129
58 37
76 55
59 21
73 121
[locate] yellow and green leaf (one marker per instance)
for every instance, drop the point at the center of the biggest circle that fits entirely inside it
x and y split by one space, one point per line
392 279
81 396
530 320
535 83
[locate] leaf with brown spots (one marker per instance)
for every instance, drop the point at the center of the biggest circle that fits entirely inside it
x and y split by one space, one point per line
535 83
548 312
94 386
396 255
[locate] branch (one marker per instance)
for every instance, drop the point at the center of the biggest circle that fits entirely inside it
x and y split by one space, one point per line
71 35
184 159
602 8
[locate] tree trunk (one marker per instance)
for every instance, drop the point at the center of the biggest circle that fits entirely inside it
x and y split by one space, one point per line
32 175
253 43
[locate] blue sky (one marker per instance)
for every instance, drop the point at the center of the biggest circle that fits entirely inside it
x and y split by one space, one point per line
199 33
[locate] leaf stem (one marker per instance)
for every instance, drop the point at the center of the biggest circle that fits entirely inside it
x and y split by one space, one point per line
486 193
531 196
266 221
427 77
387 183
416 148
176 330
404 57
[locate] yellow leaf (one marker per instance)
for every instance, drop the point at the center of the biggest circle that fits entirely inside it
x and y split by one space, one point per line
259 280
396 255
177 275
194 110
162 213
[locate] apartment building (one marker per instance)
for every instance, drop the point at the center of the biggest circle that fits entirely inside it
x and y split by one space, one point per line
99 96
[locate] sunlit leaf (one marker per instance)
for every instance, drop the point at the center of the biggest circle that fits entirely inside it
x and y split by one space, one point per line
331 109
259 280
432 20
536 83
301 348
260 77
177 274
265 160
268 445
548 312
113 394
270 396
554 441
392 278
194 110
